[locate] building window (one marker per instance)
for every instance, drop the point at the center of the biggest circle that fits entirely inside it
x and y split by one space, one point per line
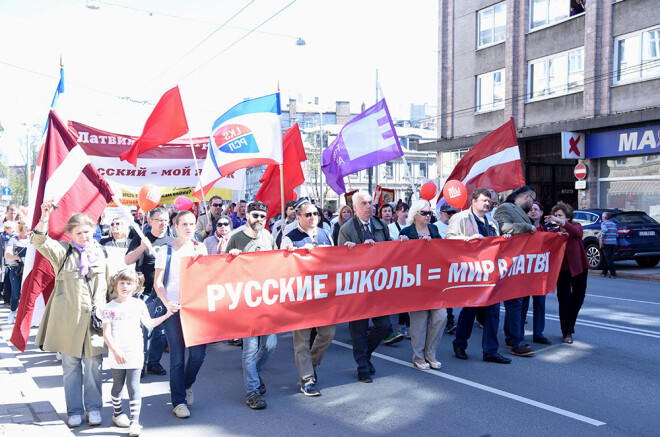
637 55
490 91
449 161
389 170
547 12
423 173
557 74
492 25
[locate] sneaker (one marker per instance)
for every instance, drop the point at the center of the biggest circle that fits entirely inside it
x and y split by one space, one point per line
11 318
393 338
74 421
262 387
235 342
135 430
310 390
255 402
190 397
156 369
121 420
94 418
181 411
58 356
403 330
522 351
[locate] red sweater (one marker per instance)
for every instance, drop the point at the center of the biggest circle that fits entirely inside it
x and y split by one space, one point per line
575 257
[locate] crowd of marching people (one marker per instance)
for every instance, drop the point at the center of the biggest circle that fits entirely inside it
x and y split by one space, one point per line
92 311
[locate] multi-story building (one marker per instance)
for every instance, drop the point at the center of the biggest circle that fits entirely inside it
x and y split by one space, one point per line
555 67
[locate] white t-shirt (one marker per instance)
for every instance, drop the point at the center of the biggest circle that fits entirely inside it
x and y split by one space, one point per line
125 319
394 231
172 288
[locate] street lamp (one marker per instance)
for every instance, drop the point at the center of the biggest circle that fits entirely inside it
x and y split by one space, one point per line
27 158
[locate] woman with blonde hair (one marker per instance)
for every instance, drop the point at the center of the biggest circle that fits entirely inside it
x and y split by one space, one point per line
345 212
80 288
118 234
426 326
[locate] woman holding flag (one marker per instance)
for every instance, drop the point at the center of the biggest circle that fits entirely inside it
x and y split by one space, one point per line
80 288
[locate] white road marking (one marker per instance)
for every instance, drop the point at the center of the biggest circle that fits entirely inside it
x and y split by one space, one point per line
488 389
621 298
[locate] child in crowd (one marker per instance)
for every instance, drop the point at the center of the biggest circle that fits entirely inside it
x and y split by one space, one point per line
123 335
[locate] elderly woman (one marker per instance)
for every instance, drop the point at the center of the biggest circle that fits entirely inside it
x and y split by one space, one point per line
426 326
118 234
15 258
217 242
572 281
80 285
345 212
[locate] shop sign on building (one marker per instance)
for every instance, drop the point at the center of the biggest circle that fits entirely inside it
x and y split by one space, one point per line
573 145
637 141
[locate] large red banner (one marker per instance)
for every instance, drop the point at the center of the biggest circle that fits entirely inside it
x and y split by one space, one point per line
258 293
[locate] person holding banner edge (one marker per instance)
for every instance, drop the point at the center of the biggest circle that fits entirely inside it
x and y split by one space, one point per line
426 326
204 227
363 228
472 224
256 350
309 235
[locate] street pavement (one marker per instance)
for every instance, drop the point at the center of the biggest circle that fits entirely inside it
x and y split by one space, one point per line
605 384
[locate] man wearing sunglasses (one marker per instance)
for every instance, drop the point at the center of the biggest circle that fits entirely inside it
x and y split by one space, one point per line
308 235
205 227
256 350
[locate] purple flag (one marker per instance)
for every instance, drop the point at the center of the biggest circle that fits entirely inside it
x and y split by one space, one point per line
367 140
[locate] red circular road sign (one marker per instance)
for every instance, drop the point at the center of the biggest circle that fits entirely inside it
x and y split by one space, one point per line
580 171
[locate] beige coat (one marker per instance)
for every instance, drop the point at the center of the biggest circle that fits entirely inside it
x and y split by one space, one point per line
462 225
65 326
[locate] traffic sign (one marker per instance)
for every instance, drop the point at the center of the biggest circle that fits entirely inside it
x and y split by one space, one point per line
580 171
6 191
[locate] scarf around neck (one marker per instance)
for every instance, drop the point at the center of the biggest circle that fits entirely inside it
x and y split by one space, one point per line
88 255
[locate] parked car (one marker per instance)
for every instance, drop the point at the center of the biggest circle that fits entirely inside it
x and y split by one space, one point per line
639 236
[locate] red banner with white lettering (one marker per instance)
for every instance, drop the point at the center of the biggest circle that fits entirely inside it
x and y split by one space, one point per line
259 293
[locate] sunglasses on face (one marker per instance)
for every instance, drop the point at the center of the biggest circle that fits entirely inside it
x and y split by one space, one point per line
258 216
222 224
309 214
450 212
216 205
425 213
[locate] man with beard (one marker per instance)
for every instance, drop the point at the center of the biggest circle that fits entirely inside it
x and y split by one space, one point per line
512 218
256 350
309 236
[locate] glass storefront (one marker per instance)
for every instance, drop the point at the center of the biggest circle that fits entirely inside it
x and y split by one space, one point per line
631 183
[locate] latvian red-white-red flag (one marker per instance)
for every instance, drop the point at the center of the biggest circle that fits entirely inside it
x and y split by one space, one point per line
65 175
494 162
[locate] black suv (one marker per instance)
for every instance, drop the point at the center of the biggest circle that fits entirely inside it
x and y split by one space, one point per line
639 236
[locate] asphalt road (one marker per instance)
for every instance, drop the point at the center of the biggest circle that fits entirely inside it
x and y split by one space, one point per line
605 384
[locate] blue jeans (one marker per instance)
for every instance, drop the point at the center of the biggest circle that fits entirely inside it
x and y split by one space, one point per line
538 303
256 351
154 339
489 343
365 342
15 288
82 381
182 373
513 328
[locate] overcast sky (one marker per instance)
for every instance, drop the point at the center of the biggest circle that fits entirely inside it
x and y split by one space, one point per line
120 54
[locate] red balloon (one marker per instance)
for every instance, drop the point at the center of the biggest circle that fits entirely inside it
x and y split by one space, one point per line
148 197
455 193
428 191
182 203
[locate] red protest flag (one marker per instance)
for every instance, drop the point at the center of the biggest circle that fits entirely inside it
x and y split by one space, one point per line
293 154
167 122
65 175
494 162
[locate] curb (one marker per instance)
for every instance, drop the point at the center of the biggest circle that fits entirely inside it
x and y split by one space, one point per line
22 412
626 275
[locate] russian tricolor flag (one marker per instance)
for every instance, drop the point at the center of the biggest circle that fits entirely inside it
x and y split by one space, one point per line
248 134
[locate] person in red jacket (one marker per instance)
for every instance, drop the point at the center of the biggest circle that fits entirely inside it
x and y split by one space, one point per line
572 281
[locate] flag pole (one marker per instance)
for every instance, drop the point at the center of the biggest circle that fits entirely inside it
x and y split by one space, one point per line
131 221
281 174
199 178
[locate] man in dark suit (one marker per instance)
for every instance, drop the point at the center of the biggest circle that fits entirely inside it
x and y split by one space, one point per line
512 218
363 228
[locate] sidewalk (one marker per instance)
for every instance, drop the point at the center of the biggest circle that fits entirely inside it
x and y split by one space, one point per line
23 411
630 270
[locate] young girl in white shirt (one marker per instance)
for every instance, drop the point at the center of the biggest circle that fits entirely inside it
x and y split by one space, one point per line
123 335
